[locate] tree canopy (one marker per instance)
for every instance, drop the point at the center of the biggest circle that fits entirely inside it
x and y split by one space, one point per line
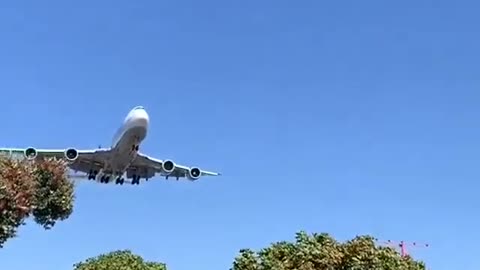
322 252
40 189
307 252
119 260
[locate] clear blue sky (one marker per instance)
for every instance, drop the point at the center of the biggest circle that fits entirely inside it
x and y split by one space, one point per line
353 117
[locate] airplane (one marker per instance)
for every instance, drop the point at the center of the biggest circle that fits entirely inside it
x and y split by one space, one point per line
121 160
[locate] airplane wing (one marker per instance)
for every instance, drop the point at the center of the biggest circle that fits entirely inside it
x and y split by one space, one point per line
85 161
147 167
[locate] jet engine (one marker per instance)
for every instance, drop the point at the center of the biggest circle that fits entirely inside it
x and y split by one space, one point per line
168 166
30 153
71 154
194 173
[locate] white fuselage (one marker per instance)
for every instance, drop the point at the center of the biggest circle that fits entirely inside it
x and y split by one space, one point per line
127 140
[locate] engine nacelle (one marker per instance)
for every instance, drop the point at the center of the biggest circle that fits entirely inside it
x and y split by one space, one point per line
30 153
71 154
194 173
168 166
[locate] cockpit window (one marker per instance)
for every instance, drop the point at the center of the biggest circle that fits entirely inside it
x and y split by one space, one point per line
138 108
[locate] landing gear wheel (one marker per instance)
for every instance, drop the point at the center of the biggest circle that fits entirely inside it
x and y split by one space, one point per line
136 180
119 181
92 175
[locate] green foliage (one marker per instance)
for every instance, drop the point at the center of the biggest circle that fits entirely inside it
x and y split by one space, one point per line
54 193
40 188
322 252
118 260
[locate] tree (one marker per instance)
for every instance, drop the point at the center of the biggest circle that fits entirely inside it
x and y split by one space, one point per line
322 252
33 188
308 252
121 260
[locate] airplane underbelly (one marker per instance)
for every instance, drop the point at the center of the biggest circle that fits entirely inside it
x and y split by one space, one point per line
125 154
123 158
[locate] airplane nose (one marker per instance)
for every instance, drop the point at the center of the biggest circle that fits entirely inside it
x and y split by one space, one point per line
138 117
142 116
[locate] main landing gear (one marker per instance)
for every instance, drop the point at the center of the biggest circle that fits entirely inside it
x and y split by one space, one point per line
105 178
92 175
119 180
136 179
